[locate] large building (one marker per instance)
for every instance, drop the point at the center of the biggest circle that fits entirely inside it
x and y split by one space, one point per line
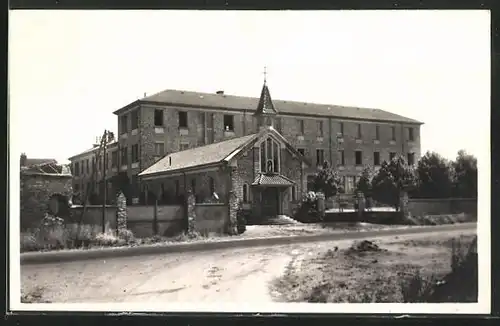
173 120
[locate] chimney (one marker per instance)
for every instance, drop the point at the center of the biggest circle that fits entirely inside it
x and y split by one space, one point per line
24 159
220 92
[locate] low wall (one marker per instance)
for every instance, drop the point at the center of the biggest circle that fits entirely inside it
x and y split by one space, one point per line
366 217
211 218
170 218
93 216
421 207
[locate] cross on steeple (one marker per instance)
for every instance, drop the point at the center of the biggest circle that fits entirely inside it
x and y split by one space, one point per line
265 74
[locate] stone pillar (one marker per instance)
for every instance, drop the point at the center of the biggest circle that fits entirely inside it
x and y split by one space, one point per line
232 226
321 205
191 212
121 213
403 203
361 204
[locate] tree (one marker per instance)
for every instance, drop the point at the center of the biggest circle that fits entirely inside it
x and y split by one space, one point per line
391 179
327 181
465 175
364 184
434 176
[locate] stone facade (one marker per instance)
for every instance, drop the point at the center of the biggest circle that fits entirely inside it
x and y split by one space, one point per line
36 192
206 125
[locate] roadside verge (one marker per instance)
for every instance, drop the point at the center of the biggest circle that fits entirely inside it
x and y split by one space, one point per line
206 245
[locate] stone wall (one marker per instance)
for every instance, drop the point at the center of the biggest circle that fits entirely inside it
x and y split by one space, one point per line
211 218
170 220
93 216
420 207
36 191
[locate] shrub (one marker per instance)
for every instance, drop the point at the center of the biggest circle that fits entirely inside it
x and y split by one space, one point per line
108 239
307 209
460 285
126 235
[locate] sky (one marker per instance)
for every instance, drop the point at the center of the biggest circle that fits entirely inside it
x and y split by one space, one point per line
69 70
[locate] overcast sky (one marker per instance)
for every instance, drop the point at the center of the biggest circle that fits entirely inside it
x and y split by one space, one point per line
69 70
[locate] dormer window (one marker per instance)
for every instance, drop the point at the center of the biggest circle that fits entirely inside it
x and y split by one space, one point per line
269 156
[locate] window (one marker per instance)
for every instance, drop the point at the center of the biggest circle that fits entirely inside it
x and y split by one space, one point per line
349 186
193 186
124 156
377 132
310 182
411 158
341 127
320 157
177 188
114 159
77 169
392 155
184 147
342 158
301 151
124 124
376 158
158 118
359 131
393 133
320 128
88 166
294 193
410 134
135 153
211 185
269 156
228 122
245 193
359 157
159 149
301 127
135 119
183 119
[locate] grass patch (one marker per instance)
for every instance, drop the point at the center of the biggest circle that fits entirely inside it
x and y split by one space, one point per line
425 270
440 219
70 237
35 295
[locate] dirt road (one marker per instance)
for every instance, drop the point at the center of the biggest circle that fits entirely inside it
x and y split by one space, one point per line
230 275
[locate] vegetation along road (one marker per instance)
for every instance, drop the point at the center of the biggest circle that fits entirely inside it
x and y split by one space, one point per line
229 275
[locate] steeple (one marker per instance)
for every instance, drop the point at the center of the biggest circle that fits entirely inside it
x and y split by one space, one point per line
265 105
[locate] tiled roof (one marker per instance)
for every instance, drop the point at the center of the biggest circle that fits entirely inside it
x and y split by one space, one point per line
241 103
49 168
265 105
198 156
272 180
38 161
93 149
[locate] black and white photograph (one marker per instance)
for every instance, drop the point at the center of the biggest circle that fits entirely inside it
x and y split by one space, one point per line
250 161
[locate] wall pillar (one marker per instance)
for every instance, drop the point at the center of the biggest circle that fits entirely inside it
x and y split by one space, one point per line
233 202
121 213
403 203
191 212
361 204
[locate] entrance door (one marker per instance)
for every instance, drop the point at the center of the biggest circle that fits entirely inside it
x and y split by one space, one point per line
270 202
